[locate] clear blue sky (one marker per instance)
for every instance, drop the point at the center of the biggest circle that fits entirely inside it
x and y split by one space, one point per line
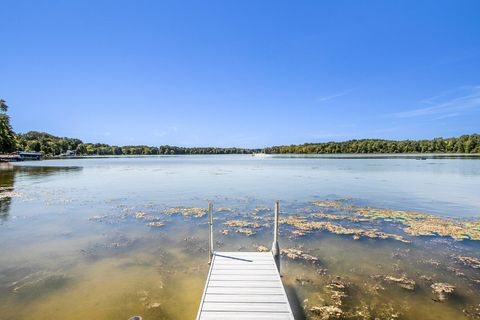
241 73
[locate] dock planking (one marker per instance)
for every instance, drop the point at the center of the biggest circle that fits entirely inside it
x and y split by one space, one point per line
244 285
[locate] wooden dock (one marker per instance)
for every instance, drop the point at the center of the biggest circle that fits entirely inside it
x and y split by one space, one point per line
244 285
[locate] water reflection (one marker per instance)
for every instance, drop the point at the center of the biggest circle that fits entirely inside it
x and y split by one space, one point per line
42 171
7 180
8 175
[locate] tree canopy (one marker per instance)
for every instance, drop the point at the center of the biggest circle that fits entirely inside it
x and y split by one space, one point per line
463 144
7 136
52 145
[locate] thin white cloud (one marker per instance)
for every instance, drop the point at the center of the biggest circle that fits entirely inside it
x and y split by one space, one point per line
334 96
448 104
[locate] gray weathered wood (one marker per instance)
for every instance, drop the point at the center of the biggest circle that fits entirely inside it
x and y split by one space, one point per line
244 285
210 233
275 245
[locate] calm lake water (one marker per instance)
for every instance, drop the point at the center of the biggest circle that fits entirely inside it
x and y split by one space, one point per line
115 237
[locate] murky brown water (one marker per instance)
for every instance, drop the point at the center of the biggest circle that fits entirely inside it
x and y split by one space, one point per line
75 241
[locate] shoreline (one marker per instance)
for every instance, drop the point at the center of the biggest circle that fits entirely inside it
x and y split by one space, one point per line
415 156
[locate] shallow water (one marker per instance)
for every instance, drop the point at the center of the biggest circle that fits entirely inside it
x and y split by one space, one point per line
74 246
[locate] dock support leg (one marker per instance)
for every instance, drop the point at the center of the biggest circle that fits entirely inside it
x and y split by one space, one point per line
210 232
275 246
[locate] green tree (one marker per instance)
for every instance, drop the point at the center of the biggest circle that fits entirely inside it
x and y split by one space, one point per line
34 145
7 136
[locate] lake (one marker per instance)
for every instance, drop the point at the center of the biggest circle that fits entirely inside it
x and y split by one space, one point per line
362 237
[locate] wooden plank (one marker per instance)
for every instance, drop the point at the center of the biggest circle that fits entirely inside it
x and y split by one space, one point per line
245 258
242 263
242 307
247 298
245 284
249 257
256 266
257 272
242 253
239 253
243 277
247 290
245 315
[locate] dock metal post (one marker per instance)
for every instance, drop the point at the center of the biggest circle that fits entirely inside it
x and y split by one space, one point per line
275 246
210 232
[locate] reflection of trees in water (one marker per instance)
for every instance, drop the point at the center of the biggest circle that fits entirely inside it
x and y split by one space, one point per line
4 208
33 171
7 179
8 172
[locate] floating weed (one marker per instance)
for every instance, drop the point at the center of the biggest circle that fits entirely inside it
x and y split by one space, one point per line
416 224
187 211
470 261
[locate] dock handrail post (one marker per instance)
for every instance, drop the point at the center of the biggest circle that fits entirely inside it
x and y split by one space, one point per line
275 246
210 232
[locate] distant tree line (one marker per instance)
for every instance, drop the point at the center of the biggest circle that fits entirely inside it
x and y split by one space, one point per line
52 145
204 150
463 144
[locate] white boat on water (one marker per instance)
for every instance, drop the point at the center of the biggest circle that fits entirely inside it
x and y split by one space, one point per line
261 155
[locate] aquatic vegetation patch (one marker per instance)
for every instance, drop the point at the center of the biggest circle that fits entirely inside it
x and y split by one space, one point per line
246 231
109 218
304 226
242 224
326 312
401 281
262 249
248 228
153 221
297 254
141 215
338 293
156 224
187 211
441 227
387 214
333 204
442 290
421 224
327 216
470 261
416 224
